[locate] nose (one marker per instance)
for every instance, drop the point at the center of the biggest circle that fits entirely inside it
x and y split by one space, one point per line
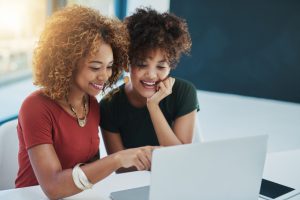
104 75
151 73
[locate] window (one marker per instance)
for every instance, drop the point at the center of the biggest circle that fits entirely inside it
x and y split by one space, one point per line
20 25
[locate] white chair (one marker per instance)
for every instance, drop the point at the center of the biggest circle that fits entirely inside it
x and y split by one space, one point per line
9 146
198 135
102 148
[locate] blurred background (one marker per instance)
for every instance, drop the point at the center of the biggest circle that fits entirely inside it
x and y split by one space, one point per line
243 52
21 22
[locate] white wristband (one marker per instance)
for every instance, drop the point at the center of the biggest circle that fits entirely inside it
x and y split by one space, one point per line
80 179
83 179
75 177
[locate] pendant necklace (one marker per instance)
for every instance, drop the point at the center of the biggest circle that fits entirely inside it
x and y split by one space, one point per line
81 122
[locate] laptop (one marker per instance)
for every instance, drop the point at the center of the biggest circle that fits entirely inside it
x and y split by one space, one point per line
225 169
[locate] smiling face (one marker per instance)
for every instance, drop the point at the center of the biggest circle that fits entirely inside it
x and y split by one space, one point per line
146 73
94 71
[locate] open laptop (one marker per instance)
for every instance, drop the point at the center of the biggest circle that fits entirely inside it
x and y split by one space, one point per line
228 169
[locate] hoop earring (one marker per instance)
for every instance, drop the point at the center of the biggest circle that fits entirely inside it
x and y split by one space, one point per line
126 78
126 74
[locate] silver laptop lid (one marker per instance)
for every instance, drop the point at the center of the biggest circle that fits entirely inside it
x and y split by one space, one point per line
228 169
140 193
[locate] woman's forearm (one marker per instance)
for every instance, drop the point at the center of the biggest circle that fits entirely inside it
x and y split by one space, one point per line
165 134
60 184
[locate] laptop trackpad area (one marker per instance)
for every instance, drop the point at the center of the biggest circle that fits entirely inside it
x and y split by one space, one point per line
140 193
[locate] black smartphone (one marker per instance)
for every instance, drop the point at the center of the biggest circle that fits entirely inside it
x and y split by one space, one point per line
271 190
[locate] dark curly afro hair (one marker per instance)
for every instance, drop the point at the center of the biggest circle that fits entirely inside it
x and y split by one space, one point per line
150 30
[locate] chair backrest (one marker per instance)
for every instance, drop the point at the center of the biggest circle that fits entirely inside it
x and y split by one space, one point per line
198 135
9 146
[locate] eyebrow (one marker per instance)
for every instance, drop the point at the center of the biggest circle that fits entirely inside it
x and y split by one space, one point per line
164 60
95 61
99 62
160 61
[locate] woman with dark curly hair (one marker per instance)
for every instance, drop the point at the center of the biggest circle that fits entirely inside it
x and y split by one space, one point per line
152 108
79 53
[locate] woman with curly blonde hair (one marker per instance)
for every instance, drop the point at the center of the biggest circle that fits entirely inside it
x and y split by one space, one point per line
79 54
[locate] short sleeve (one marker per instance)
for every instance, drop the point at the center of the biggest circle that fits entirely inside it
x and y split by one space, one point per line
186 98
107 121
35 122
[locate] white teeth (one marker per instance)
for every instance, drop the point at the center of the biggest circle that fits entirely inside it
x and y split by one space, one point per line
97 86
149 83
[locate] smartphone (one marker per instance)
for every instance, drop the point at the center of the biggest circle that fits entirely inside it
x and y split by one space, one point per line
270 190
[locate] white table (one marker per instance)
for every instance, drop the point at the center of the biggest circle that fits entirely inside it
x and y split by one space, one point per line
224 116
282 167
100 191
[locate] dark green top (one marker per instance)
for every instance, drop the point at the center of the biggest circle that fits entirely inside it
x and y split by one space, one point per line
134 124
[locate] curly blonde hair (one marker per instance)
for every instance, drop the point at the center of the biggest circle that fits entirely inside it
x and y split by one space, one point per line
70 34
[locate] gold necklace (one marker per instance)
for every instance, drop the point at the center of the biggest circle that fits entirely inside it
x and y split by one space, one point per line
81 122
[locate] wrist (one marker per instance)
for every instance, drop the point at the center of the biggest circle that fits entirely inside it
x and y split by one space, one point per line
117 160
152 105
